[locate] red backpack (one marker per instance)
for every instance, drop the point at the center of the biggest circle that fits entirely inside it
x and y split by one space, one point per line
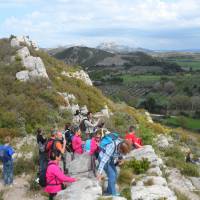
49 147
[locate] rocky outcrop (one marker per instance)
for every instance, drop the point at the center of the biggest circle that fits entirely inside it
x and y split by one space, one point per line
152 186
83 189
148 117
164 142
181 184
23 41
34 66
146 152
82 75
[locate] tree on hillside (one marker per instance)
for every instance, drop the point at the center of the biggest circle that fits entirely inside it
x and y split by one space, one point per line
169 87
195 102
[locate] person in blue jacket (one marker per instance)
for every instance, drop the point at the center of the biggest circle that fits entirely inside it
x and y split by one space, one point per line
6 153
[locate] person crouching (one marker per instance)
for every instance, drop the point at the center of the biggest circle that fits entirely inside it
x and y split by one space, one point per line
55 178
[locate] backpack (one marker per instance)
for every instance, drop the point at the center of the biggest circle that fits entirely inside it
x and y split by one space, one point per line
42 177
41 147
87 145
82 125
68 137
5 153
107 139
49 147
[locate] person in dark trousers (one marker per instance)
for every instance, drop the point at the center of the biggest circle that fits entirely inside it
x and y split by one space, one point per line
6 153
43 160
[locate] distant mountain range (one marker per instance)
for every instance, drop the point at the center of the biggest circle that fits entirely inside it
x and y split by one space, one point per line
116 48
95 59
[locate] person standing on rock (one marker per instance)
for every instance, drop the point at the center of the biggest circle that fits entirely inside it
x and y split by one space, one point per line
89 125
60 145
43 160
6 153
77 143
55 178
77 118
107 157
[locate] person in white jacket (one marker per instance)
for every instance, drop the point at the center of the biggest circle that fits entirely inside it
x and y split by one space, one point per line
90 125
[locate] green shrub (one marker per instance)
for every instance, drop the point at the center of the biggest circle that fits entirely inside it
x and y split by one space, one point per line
190 169
138 166
146 134
126 192
120 122
33 185
187 169
174 152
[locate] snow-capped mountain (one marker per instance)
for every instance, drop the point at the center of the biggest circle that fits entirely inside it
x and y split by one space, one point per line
117 48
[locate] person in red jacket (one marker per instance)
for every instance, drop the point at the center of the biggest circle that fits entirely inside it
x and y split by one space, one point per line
136 142
55 178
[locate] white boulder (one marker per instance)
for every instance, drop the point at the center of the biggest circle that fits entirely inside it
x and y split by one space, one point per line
23 75
82 75
83 189
23 40
154 192
146 152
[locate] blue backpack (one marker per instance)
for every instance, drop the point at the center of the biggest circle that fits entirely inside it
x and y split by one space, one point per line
87 145
107 139
6 153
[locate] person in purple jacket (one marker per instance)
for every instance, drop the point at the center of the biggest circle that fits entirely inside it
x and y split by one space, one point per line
55 177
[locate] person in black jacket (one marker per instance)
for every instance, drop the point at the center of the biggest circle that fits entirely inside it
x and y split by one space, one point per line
42 154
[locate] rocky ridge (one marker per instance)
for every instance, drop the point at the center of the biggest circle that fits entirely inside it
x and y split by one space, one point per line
34 66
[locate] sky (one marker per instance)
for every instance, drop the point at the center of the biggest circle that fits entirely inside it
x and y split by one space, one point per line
151 24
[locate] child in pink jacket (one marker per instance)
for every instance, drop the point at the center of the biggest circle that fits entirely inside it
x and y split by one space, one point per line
77 143
54 175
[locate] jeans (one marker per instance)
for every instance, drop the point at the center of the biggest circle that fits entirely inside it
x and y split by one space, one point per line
8 172
111 173
42 162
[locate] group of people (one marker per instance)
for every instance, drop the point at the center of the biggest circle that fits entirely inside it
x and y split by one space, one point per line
105 148
88 137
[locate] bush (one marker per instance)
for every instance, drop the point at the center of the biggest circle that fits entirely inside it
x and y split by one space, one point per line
126 192
146 134
187 169
175 152
137 166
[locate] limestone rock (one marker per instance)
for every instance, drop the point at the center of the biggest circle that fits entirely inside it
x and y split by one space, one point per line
23 40
178 182
83 189
82 75
162 142
15 42
152 180
23 53
154 192
23 75
196 182
148 116
146 152
80 165
154 171
34 65
84 110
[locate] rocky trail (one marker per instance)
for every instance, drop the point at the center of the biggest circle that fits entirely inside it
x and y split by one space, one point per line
159 182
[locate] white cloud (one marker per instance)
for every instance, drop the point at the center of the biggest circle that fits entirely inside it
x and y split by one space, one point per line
65 19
